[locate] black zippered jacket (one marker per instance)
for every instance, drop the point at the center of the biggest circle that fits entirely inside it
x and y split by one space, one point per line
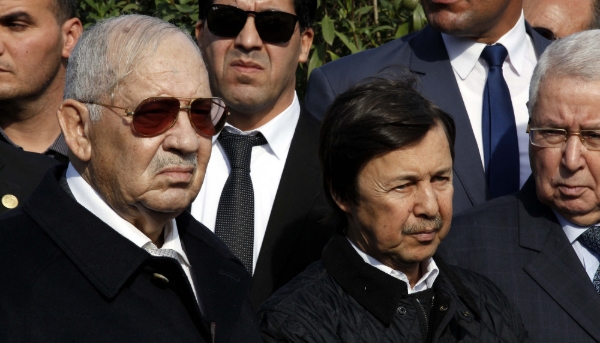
343 299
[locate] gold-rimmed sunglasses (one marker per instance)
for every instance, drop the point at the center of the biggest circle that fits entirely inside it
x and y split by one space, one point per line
156 115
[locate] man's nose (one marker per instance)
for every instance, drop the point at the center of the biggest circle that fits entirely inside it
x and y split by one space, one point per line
248 38
426 202
182 137
571 156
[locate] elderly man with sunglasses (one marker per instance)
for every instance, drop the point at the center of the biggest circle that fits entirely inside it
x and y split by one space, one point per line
262 193
541 246
103 250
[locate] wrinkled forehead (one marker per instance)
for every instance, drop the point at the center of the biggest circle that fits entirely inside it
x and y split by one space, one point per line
567 102
172 67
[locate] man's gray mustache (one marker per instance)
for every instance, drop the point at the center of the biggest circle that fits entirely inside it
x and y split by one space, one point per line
434 224
170 160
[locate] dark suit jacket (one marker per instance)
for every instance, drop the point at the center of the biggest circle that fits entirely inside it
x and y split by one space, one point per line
20 172
424 53
516 241
68 277
296 231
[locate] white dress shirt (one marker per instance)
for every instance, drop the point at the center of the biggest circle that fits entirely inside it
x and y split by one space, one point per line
266 166
429 268
588 257
471 74
87 197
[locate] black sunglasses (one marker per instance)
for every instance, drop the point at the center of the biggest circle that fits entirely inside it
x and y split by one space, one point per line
272 26
156 115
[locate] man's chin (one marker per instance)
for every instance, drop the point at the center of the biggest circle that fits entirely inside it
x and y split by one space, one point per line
169 205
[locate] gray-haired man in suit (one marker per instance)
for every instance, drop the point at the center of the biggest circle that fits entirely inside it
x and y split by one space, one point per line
540 246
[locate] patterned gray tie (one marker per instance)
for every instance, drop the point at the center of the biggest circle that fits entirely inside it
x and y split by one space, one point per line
591 239
235 215
162 252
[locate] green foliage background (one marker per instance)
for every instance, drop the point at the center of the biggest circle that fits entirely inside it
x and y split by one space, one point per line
342 27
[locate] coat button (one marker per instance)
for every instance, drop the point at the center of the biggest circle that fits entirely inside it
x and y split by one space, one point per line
161 277
443 308
10 201
401 310
466 313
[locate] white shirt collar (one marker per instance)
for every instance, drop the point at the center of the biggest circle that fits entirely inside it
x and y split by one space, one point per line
572 231
278 132
87 197
464 52
430 271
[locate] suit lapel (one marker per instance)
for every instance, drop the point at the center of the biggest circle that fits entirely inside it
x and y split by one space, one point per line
557 268
438 84
539 43
221 283
297 191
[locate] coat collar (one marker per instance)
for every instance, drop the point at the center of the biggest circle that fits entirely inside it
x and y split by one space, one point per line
376 291
108 260
105 258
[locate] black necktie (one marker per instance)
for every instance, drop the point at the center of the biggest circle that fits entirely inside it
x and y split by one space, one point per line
500 144
235 215
591 239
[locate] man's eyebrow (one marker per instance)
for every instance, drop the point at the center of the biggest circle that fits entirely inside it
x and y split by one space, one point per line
19 15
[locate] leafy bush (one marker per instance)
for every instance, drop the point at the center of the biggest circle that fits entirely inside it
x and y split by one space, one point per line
342 27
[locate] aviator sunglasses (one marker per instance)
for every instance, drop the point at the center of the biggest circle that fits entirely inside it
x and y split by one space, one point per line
156 115
272 26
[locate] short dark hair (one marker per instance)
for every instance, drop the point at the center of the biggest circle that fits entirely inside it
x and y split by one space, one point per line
65 9
369 120
305 10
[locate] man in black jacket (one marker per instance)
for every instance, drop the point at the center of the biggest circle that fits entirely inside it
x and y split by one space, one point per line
273 219
103 250
387 165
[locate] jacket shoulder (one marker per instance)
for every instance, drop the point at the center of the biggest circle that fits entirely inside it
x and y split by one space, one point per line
296 311
372 61
494 309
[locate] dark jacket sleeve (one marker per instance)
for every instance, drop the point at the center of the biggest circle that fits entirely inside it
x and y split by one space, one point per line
280 326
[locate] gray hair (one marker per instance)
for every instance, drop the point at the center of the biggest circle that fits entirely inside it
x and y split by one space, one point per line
109 51
575 56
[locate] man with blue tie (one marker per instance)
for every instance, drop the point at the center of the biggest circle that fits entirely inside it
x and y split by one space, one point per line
474 60
541 245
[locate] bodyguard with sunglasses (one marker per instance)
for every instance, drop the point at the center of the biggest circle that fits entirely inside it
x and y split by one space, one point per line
103 250
262 193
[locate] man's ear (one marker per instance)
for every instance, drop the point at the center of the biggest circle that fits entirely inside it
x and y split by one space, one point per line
198 31
74 121
306 39
71 31
344 205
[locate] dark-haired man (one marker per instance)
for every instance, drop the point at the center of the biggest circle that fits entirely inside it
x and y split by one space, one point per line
379 281
36 39
474 60
262 193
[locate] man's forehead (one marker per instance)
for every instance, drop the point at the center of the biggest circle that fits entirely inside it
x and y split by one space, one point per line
30 7
566 101
260 5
